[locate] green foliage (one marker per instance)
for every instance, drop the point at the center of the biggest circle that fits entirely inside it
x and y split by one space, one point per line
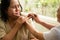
44 7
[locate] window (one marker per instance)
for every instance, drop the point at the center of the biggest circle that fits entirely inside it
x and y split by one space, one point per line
42 7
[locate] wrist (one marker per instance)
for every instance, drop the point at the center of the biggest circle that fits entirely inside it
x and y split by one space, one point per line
18 25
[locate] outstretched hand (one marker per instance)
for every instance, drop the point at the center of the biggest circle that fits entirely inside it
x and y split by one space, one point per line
34 16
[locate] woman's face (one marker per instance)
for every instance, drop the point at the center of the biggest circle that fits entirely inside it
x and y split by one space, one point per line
14 9
58 15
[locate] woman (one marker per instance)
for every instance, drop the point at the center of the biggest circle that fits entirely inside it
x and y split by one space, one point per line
11 22
53 34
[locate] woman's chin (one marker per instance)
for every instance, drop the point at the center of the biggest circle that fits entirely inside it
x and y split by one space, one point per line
16 15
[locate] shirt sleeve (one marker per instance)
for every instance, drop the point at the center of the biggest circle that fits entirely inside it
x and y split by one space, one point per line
2 30
2 33
50 35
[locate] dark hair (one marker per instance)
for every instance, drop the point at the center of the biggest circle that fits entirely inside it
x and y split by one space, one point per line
4 7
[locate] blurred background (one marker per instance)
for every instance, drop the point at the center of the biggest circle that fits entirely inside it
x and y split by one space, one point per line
46 9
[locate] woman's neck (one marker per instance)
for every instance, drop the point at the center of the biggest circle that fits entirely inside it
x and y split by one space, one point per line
12 22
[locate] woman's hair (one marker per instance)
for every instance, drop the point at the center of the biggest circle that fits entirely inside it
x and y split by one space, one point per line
58 9
4 7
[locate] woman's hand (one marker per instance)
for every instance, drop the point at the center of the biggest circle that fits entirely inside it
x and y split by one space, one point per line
34 16
21 20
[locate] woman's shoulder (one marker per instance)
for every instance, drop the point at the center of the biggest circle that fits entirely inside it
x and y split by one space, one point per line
2 23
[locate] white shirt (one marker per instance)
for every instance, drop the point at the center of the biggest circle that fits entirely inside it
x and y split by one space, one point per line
53 34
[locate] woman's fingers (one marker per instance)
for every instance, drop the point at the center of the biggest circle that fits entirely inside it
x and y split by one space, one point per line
32 16
22 19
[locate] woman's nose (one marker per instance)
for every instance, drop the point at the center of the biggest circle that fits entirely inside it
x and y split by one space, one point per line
17 9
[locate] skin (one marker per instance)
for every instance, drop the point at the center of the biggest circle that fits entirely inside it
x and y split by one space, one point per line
36 33
38 20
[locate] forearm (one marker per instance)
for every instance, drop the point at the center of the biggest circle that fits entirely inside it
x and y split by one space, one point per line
47 25
35 32
12 33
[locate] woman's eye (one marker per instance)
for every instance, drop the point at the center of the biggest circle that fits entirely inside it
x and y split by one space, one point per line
13 7
18 6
